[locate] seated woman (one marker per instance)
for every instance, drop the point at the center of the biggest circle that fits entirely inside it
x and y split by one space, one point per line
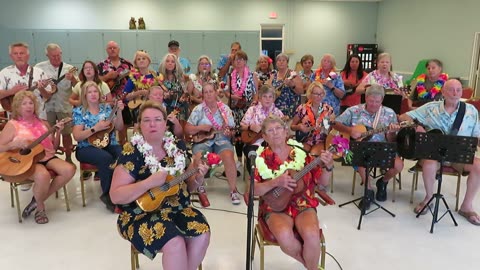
91 117
352 75
428 86
204 74
300 213
155 93
311 120
213 116
253 118
90 73
176 229
25 127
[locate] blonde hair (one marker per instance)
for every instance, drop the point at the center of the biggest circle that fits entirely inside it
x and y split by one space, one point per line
332 60
270 65
313 85
150 104
83 94
18 99
141 53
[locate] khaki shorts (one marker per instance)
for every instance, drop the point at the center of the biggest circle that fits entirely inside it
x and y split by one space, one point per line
52 118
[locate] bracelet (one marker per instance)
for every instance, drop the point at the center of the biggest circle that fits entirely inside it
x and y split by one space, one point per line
328 169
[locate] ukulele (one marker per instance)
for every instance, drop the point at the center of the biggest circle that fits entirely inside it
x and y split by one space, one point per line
207 135
113 84
250 136
6 102
279 197
101 139
154 197
17 164
57 81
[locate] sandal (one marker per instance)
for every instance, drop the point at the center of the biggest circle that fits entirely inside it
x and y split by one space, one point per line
470 216
421 206
29 208
41 217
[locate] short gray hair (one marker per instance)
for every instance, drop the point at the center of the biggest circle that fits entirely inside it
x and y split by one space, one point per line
282 55
375 90
52 46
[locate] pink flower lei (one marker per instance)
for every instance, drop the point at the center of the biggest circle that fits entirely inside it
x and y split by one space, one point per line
235 89
209 114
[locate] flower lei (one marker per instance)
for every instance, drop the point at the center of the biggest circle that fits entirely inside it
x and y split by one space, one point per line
239 91
318 75
176 167
142 81
343 148
437 86
209 114
296 164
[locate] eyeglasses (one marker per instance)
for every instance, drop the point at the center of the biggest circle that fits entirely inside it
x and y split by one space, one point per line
318 94
274 130
148 121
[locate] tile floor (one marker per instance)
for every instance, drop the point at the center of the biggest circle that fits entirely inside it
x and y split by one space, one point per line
86 237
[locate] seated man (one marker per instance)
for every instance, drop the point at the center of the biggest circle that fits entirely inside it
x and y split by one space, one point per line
441 115
372 114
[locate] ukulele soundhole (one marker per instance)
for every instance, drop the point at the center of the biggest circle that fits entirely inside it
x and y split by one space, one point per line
25 151
13 160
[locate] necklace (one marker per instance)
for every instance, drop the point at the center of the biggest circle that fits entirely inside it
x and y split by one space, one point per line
175 167
297 155
437 86
209 114
239 91
142 81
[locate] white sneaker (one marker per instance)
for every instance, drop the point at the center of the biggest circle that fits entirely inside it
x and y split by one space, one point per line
239 165
26 187
235 198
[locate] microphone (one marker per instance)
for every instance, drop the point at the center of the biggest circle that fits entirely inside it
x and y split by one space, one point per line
252 155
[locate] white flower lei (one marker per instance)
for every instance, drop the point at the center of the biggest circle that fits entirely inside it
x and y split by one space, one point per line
170 148
296 164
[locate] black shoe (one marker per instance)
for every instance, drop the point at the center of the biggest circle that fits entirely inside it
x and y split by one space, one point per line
381 195
368 198
105 198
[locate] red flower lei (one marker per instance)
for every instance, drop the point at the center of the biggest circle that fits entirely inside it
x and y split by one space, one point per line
235 89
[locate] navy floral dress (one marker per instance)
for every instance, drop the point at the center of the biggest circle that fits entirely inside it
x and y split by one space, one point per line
288 100
150 231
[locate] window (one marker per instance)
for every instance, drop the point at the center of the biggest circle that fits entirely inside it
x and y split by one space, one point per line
271 40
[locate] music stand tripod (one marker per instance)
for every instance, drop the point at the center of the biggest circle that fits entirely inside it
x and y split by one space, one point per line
371 155
443 148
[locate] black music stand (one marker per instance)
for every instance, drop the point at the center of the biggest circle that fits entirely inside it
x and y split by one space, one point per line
443 148
370 155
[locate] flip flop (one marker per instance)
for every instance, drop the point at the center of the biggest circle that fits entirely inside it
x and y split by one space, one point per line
469 215
41 217
419 207
29 208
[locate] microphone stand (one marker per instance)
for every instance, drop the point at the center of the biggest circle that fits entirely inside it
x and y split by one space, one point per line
248 256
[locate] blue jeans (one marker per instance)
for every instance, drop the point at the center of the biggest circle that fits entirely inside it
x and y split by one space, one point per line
102 159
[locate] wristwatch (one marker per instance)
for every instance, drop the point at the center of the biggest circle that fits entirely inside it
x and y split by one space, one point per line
92 130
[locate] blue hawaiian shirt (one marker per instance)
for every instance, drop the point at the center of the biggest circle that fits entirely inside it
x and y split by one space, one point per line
434 116
358 115
88 120
330 98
